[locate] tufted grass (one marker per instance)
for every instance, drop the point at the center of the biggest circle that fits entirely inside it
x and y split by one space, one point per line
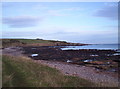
24 72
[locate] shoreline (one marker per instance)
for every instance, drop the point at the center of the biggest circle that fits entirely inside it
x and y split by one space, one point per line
86 72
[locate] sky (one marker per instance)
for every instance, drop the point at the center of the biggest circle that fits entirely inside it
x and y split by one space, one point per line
81 22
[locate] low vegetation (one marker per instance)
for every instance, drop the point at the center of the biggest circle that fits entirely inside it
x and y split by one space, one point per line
21 42
34 42
24 72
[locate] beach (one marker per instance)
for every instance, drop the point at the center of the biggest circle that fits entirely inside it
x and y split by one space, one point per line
105 78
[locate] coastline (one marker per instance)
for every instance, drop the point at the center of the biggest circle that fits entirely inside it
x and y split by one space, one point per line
89 73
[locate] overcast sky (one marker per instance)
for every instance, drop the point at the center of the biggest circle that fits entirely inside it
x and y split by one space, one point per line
82 22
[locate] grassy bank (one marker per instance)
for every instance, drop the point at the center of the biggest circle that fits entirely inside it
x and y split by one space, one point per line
23 72
22 42
35 42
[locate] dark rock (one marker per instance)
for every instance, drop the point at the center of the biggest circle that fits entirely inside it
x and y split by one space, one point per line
75 56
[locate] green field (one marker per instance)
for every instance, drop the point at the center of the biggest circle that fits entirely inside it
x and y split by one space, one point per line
30 41
35 42
21 42
24 72
25 42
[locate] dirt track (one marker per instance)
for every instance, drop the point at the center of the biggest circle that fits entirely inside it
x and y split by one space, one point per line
88 73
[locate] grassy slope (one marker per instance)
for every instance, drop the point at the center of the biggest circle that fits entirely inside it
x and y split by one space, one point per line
23 72
17 42
33 42
30 41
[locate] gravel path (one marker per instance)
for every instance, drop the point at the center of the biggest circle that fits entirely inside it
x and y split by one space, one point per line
14 51
88 73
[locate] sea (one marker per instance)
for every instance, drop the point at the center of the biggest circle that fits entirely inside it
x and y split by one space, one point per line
94 46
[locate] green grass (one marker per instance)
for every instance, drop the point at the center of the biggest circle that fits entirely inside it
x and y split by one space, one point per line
33 42
30 41
23 72
21 42
26 40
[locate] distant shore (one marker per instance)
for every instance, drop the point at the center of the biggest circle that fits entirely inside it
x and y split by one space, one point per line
99 66
36 42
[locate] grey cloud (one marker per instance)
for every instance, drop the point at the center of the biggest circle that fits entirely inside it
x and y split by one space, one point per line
110 12
21 21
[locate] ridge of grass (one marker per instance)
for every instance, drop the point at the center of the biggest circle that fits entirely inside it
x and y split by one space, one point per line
23 72
33 42
19 42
